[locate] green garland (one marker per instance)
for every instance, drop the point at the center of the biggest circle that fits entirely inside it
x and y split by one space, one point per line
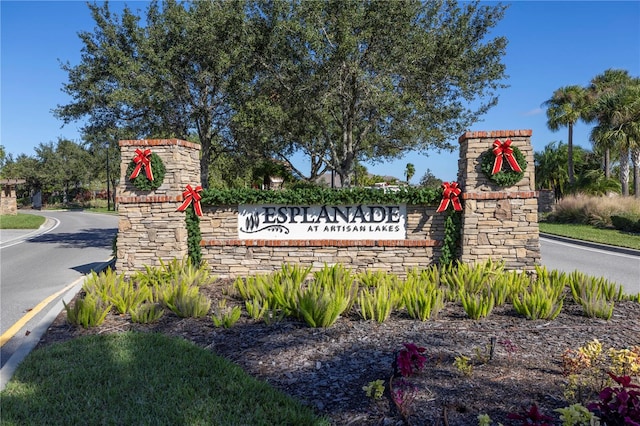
319 195
452 225
193 236
141 182
505 177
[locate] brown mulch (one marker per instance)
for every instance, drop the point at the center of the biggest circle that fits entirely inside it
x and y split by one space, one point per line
327 368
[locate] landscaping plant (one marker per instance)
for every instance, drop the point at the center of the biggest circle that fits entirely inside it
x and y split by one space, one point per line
88 311
618 405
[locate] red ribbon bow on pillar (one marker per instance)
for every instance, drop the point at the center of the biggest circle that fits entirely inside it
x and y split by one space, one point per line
504 150
450 195
191 194
142 159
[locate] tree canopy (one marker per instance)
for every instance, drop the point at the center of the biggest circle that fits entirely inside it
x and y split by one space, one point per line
341 81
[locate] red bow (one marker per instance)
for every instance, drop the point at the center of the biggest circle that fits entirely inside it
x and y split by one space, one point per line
504 150
450 195
141 159
189 195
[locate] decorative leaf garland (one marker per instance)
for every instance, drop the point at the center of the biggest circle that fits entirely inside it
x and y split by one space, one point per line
506 176
141 182
193 236
452 226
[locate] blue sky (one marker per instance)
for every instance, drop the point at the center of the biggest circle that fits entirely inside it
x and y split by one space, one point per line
551 44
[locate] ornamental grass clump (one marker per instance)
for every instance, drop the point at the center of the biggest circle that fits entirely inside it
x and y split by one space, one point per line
543 299
185 300
283 287
421 295
127 296
582 285
147 313
320 306
377 303
103 284
338 276
470 278
88 311
477 305
225 316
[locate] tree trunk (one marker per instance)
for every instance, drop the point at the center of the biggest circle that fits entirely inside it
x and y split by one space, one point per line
607 163
624 170
570 156
635 159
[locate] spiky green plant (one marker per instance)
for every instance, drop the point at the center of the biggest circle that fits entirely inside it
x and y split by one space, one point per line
88 311
127 296
378 302
583 286
371 280
423 304
470 278
103 284
597 306
477 305
539 301
320 306
225 316
185 300
508 284
256 308
338 276
147 313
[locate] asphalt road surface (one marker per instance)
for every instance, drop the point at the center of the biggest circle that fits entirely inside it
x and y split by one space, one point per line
35 264
621 266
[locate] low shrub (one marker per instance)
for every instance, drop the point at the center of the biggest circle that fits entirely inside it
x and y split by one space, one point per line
628 222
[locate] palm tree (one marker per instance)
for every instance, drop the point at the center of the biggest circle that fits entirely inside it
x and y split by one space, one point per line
619 121
410 171
565 108
605 83
550 171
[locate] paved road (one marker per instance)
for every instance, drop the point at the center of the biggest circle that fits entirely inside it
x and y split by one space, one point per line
622 267
37 264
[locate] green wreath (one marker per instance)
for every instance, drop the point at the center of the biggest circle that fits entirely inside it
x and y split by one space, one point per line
506 176
141 182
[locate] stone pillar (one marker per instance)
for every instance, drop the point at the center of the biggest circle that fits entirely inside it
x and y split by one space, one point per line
8 200
499 223
150 228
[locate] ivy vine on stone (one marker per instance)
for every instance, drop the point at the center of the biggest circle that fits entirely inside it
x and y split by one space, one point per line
506 176
141 182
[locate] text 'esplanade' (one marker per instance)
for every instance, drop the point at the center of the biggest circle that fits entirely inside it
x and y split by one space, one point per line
331 214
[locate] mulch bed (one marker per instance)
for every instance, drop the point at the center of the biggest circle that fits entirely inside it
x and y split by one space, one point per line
327 368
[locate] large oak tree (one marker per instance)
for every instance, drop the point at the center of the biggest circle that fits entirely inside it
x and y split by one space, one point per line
341 81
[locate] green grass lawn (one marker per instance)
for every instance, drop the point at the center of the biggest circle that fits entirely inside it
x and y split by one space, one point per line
138 379
21 221
589 233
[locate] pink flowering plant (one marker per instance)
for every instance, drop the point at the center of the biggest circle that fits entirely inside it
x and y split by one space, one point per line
410 360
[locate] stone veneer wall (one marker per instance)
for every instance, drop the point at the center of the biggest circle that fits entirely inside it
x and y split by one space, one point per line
230 257
150 228
498 223
8 201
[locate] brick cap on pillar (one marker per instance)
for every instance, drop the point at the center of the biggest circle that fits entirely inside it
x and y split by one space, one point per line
494 134
159 142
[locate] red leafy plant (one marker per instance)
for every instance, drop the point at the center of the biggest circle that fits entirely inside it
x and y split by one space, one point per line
409 360
619 405
532 417
403 393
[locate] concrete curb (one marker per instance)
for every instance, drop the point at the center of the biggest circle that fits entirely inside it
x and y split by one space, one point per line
590 244
30 342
